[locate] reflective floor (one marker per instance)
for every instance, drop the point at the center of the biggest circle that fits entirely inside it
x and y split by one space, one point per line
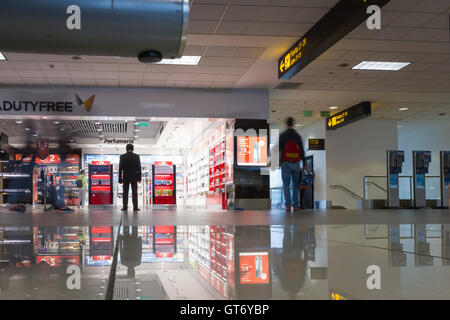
210 261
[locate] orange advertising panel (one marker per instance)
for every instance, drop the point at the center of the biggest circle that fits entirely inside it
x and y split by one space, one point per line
251 151
51 159
56 261
254 267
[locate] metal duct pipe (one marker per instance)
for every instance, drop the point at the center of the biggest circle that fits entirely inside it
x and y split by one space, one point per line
124 28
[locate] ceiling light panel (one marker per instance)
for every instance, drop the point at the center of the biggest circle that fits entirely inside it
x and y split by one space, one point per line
379 65
184 60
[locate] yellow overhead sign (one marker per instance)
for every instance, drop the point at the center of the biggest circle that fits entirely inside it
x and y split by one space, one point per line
291 57
337 119
337 296
355 113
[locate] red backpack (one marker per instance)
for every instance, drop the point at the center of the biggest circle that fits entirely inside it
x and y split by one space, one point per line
291 152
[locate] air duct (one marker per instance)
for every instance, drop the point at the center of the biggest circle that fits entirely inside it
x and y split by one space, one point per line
148 29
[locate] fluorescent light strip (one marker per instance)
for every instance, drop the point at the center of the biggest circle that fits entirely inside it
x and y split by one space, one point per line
2 57
379 65
184 60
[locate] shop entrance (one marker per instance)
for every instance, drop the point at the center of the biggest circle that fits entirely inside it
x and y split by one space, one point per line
185 162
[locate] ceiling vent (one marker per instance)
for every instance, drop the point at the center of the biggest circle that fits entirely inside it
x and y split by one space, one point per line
288 86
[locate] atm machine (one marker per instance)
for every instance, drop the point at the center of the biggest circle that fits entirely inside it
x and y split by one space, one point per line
445 178
421 163
395 161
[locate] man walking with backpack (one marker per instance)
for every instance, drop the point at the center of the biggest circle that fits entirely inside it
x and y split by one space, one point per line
291 152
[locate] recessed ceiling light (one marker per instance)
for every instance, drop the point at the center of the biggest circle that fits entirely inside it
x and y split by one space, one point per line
334 108
99 129
44 117
56 122
19 121
62 129
28 129
379 65
34 135
184 60
402 109
2 57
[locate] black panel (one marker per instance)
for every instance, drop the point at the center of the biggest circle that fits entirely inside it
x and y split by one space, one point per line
345 16
249 183
350 115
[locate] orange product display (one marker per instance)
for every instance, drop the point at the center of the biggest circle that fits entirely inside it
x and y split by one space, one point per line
251 151
254 267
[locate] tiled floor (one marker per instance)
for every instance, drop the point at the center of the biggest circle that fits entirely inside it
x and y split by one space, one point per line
263 254
112 216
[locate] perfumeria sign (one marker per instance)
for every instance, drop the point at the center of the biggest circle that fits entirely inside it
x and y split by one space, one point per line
118 141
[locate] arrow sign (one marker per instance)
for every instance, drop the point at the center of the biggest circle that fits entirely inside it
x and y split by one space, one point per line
282 66
343 18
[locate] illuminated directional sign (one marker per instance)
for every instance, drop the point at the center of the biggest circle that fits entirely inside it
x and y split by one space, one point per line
308 114
345 16
316 144
355 113
324 114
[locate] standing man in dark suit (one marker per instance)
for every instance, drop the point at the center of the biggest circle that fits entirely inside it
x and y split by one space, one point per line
130 173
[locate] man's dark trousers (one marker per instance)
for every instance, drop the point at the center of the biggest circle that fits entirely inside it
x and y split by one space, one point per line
126 186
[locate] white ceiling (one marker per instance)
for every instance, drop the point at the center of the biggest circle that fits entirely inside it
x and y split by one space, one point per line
241 40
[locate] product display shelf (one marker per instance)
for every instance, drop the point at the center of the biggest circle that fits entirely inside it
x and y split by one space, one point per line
218 252
199 245
217 168
198 175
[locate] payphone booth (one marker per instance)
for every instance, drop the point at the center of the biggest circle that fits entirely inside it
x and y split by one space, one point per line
395 161
445 178
421 163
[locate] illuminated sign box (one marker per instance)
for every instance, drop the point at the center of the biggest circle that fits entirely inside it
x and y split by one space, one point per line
350 115
252 151
345 16
254 267
316 144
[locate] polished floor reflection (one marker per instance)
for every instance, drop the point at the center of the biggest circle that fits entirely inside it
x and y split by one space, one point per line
204 262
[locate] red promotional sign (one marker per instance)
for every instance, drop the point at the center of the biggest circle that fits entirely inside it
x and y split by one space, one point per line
56 261
164 254
164 229
254 267
42 148
51 159
101 163
163 163
73 158
101 258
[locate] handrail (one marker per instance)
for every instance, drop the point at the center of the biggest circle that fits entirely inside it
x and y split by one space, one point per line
376 185
400 176
366 183
342 188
